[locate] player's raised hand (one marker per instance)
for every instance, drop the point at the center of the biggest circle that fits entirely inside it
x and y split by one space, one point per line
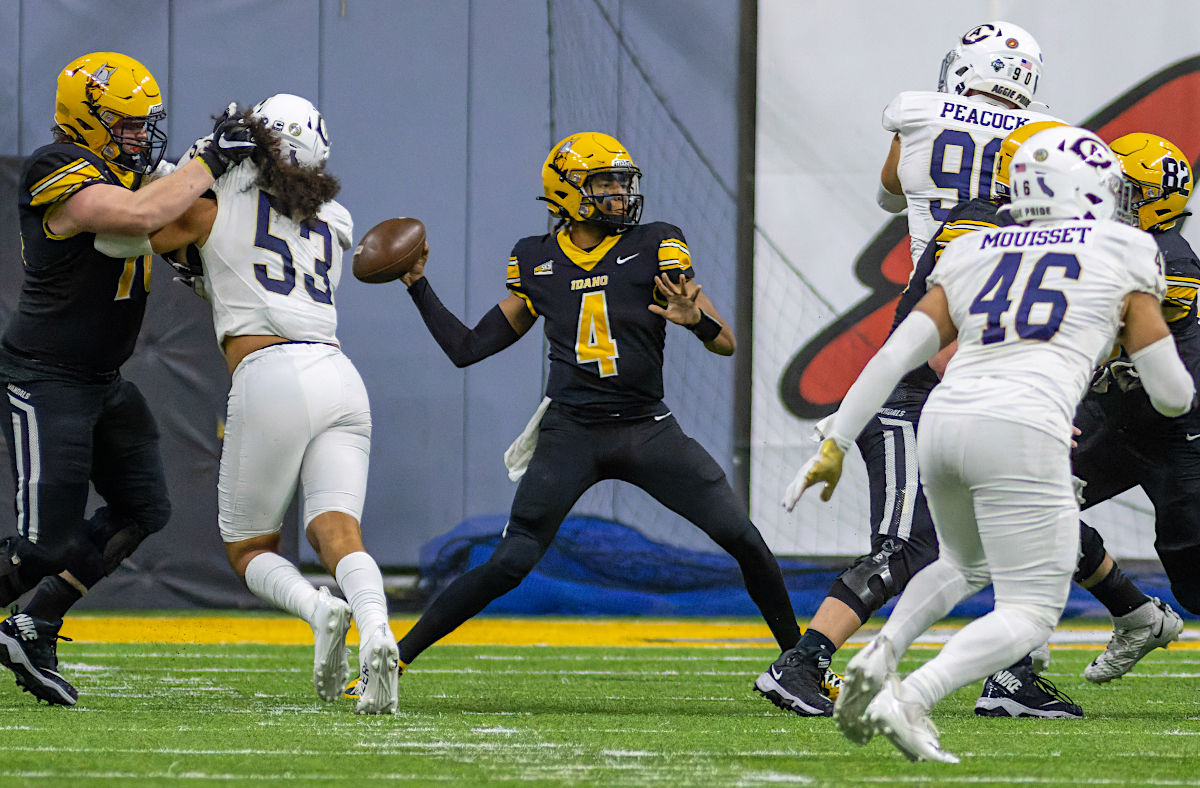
824 466
230 143
681 300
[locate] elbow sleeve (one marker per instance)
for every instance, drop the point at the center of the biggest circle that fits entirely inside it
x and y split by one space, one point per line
1164 377
461 345
892 203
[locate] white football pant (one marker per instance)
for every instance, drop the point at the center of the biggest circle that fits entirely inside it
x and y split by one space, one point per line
295 411
1004 510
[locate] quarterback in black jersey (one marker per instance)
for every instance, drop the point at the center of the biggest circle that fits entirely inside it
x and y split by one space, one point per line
607 287
73 420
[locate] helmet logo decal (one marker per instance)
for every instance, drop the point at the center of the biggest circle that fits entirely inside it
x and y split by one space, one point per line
103 74
1045 187
1092 151
978 34
997 65
294 129
1011 43
1038 155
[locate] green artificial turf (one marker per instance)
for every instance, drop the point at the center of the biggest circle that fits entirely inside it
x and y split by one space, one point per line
151 714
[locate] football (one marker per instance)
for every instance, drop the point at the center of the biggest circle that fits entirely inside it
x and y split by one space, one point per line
389 250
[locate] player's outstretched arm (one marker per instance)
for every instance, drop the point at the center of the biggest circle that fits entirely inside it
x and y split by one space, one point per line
689 307
105 208
915 341
503 325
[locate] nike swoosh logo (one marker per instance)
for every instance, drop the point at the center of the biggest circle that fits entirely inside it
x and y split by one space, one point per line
1192 437
775 672
624 260
1161 623
660 418
233 145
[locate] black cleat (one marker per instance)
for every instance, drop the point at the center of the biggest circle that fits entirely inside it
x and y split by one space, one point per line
29 648
794 683
1017 691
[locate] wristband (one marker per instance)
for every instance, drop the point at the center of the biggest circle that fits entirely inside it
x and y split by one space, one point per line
707 328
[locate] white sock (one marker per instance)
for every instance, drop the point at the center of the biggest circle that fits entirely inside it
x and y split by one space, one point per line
359 577
274 579
976 651
927 599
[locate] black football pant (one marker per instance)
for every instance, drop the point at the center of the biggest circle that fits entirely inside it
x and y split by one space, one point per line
571 456
63 435
902 534
1125 444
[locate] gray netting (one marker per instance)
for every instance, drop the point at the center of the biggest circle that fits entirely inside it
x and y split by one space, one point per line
598 83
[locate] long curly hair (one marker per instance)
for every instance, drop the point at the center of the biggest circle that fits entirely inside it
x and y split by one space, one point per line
296 191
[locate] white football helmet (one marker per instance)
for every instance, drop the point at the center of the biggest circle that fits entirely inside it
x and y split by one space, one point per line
998 59
1068 173
300 128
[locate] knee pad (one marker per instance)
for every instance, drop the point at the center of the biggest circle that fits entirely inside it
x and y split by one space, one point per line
873 579
117 535
1092 551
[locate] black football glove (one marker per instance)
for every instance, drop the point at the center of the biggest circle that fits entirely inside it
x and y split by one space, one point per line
229 144
189 270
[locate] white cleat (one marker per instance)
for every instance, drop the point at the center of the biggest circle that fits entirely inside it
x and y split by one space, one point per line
331 663
1147 627
865 676
906 725
379 666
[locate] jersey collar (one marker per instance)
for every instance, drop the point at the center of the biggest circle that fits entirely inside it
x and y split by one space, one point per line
585 260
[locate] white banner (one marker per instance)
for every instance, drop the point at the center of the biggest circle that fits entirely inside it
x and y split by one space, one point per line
826 265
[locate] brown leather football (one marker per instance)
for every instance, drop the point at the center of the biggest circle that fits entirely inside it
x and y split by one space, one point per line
389 250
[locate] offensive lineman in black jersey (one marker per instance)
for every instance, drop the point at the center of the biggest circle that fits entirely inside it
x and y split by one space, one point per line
1125 443
607 286
73 419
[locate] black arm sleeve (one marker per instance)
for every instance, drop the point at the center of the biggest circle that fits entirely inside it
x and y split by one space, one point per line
463 346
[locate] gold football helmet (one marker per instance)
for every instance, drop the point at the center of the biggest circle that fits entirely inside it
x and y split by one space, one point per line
1163 175
590 177
1014 140
111 104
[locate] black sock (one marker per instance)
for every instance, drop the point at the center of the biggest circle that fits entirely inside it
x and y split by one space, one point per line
1118 593
817 645
52 599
